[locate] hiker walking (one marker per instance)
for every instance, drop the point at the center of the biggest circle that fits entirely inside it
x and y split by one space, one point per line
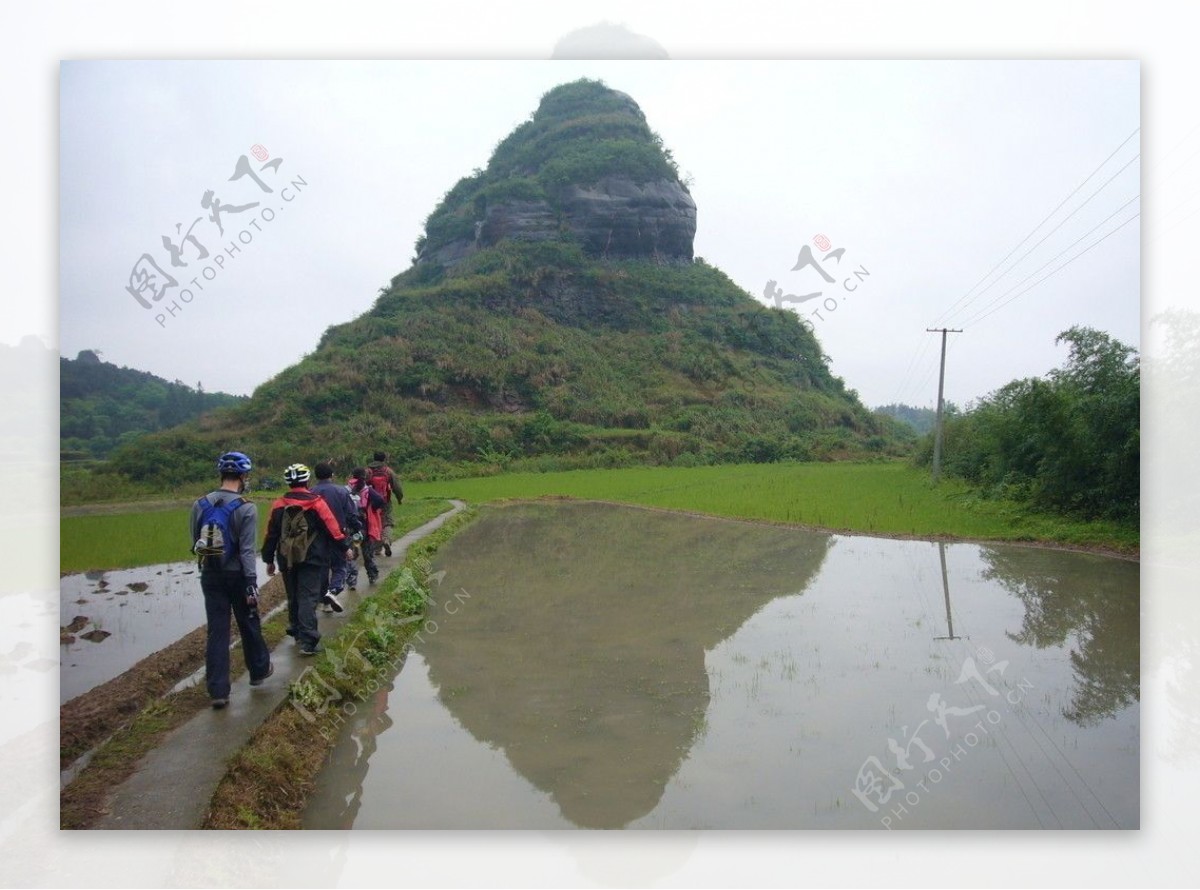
358 538
224 529
344 509
371 503
385 481
302 536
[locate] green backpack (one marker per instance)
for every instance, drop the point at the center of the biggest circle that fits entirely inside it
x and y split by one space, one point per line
295 535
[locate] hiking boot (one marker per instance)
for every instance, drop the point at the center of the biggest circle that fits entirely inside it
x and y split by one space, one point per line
219 703
259 681
311 650
331 601
372 580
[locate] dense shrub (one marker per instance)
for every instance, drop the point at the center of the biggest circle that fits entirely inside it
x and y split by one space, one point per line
1069 442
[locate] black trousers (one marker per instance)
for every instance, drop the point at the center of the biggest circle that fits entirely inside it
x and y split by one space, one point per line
225 595
305 584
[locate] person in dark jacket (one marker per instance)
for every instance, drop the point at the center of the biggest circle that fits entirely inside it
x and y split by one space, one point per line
345 511
301 519
228 579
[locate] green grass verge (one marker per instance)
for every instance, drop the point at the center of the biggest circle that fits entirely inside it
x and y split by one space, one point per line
269 779
122 540
885 498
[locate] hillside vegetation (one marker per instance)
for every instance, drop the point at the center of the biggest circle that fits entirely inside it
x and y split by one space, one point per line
102 406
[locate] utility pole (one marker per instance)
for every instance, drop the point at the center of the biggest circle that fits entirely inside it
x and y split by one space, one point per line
937 436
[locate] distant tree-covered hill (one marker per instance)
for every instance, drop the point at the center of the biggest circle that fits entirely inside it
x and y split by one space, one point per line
102 406
920 419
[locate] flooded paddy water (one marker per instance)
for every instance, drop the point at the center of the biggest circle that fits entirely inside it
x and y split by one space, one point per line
606 667
110 620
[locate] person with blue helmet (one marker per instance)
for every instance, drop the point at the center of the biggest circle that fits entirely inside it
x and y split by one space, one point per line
224 529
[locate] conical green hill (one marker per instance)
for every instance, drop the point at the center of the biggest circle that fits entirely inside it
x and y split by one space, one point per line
554 317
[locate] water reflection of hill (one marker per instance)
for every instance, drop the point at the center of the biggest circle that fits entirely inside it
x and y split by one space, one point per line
580 650
1099 609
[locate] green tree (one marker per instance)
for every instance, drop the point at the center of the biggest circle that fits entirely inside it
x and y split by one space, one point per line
1068 442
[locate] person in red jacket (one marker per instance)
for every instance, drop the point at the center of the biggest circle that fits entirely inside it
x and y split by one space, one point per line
302 537
384 480
371 503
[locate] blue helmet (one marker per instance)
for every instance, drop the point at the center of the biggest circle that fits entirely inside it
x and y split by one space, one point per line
233 462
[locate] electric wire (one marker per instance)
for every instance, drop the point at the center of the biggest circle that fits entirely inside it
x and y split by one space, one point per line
1048 234
1055 257
1042 223
1055 271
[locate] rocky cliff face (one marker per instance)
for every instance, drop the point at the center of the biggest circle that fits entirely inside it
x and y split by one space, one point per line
586 168
617 217
614 218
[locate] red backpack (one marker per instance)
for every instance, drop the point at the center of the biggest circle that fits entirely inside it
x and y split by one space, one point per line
381 481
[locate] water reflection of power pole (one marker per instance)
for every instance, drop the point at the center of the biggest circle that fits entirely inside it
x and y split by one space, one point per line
946 591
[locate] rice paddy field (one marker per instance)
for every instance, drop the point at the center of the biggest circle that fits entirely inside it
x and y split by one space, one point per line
883 498
141 537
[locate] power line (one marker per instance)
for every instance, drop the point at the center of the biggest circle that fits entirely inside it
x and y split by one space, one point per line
1056 270
1052 231
932 367
903 386
1056 256
1042 223
915 361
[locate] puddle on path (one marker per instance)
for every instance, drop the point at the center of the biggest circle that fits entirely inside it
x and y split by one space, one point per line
606 667
111 620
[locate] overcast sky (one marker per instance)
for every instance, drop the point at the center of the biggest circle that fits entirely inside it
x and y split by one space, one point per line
927 174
